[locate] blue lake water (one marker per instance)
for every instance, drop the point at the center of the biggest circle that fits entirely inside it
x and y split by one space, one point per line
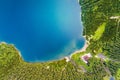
42 30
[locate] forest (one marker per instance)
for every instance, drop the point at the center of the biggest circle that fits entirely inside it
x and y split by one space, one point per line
101 21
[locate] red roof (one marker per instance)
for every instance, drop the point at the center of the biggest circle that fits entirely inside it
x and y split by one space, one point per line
86 58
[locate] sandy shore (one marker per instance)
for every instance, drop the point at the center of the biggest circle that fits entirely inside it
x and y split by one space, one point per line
81 50
67 57
78 51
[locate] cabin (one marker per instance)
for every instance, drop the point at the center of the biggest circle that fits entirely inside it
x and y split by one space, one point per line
86 57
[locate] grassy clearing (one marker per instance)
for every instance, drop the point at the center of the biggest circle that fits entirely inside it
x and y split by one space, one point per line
99 32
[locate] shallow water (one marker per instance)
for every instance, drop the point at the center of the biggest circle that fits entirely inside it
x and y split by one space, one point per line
42 30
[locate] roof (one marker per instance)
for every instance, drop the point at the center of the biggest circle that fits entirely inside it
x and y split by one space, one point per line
86 57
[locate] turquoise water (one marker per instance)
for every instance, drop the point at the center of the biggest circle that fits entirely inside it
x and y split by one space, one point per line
42 30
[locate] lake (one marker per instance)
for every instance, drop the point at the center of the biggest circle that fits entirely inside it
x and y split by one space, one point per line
42 30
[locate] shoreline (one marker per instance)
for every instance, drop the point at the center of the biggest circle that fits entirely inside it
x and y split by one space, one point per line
19 53
67 57
83 49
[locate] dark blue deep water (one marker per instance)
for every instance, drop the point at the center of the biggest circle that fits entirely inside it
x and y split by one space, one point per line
42 30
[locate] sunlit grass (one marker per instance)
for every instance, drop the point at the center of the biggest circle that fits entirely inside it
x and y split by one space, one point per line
99 32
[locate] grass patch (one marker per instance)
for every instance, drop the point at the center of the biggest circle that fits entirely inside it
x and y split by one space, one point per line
99 32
